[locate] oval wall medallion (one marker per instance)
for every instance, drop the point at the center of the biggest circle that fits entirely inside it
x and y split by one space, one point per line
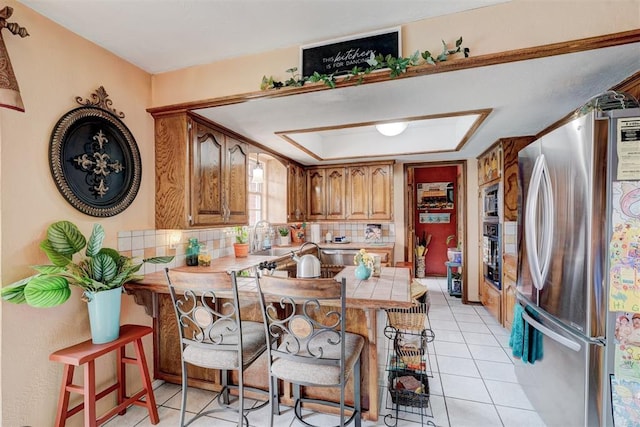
94 159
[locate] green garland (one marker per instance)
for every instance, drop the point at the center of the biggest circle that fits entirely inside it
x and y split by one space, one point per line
397 66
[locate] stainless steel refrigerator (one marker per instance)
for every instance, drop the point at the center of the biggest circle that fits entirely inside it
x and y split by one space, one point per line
565 178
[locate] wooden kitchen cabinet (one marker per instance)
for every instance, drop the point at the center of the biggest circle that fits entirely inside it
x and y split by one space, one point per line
499 165
491 298
370 192
509 285
386 255
296 193
326 193
201 173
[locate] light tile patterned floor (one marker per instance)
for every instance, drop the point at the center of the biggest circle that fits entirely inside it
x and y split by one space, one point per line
473 382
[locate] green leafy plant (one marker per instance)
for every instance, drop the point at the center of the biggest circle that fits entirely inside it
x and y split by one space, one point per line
241 233
100 269
284 231
396 66
452 238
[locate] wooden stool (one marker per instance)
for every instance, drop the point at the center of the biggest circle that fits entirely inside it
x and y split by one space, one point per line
85 354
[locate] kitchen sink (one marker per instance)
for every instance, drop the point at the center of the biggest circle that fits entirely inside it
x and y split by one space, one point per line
337 256
274 252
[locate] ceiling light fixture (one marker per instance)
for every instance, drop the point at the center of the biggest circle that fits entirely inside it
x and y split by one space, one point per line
257 176
391 129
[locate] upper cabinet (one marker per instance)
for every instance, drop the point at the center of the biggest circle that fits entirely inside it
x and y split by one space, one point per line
326 193
490 165
201 174
370 192
296 193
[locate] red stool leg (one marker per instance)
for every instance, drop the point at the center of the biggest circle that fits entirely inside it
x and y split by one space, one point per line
146 380
63 400
121 369
90 419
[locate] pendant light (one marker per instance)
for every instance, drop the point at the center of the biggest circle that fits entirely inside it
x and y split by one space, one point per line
257 176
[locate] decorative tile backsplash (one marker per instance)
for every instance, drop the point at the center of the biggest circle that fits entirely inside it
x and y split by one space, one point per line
510 233
219 241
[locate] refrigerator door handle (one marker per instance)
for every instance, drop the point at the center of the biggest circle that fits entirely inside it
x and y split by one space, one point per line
570 344
530 229
548 212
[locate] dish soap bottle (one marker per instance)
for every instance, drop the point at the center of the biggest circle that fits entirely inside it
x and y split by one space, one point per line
192 252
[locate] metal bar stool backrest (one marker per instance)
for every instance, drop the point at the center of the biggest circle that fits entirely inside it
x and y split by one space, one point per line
307 342
212 334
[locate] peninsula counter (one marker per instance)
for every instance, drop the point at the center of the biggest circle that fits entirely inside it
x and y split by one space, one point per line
364 299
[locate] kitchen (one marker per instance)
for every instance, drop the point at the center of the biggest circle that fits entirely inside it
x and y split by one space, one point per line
30 200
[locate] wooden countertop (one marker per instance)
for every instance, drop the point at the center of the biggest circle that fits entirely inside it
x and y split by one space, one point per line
391 289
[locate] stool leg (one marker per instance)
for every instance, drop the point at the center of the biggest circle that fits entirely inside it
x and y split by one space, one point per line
144 374
90 394
121 369
63 400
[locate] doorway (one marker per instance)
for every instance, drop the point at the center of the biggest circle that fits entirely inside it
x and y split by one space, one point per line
435 216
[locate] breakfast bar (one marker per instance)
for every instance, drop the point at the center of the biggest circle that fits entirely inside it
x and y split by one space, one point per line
364 299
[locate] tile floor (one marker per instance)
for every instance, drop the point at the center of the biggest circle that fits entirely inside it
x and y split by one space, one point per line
472 384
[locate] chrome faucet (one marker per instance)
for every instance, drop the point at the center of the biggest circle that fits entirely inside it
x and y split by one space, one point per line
257 243
309 243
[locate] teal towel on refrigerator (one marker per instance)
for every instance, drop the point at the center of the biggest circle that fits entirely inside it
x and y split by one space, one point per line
516 340
532 343
525 340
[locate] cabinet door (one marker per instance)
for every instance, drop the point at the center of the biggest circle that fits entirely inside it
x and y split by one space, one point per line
511 147
301 194
172 172
207 162
491 299
296 193
235 182
335 193
316 192
292 204
381 196
358 194
509 286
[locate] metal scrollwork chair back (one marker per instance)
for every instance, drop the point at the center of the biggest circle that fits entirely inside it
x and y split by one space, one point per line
305 320
213 336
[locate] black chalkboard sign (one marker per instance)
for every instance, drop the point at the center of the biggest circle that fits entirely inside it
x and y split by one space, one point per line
341 56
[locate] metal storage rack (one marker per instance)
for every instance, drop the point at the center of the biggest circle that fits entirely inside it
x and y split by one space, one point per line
409 334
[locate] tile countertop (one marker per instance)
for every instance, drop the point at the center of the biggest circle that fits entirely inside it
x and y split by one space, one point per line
390 290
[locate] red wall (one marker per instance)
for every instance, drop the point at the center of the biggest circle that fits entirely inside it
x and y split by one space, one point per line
437 253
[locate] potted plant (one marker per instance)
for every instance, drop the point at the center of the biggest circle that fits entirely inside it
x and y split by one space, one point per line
285 239
298 232
454 254
364 262
241 245
101 273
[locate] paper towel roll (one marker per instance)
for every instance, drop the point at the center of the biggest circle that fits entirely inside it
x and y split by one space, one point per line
315 233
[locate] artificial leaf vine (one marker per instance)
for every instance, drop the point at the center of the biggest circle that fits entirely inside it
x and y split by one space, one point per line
396 66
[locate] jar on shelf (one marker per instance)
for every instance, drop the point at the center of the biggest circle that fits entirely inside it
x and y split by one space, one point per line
193 249
204 257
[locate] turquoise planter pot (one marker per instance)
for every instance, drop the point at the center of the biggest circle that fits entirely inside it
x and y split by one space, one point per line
104 314
362 272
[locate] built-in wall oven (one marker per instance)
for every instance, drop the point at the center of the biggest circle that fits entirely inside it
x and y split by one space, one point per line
491 199
491 252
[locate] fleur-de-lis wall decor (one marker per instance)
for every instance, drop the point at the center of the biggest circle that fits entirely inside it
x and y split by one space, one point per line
9 90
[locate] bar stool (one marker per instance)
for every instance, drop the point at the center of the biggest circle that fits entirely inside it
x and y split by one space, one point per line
85 354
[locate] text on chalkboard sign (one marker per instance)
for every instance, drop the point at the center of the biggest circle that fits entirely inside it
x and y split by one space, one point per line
340 56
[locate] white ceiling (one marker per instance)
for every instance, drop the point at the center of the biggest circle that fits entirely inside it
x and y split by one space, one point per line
163 35
523 97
